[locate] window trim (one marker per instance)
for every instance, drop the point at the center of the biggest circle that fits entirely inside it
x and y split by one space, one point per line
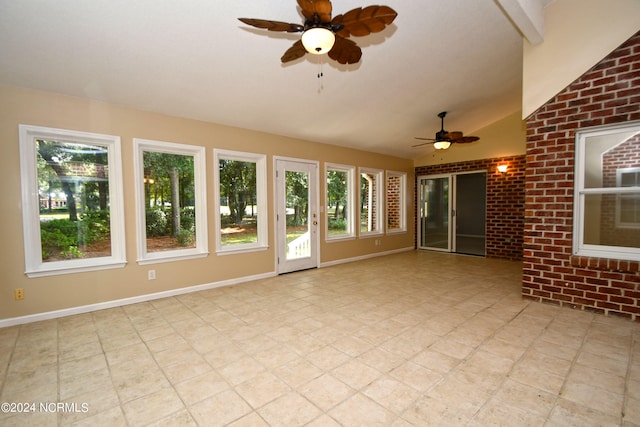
200 190
34 265
403 201
380 230
580 192
351 203
261 200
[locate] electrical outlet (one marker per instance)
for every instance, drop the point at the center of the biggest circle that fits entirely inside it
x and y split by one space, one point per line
151 275
18 294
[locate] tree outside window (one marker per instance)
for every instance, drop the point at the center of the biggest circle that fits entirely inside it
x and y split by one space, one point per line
170 191
240 196
339 199
72 201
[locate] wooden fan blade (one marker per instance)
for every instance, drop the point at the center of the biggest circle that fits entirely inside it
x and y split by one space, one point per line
422 143
321 7
345 51
362 22
465 139
273 25
424 139
294 52
453 135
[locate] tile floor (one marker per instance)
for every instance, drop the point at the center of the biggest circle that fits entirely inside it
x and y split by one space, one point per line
416 338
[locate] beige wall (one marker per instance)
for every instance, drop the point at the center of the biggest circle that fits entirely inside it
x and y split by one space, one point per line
577 35
22 106
506 137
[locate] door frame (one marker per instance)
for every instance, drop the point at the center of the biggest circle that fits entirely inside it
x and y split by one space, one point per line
283 266
453 206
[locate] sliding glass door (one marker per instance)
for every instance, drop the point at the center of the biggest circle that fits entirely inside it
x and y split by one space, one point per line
434 212
452 212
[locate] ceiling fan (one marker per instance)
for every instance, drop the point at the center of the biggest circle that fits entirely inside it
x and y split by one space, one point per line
321 34
444 139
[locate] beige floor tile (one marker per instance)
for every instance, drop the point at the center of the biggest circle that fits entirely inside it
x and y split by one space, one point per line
111 417
250 420
220 409
381 360
261 389
298 372
201 387
392 394
570 414
152 407
186 368
326 391
452 342
416 376
356 374
327 358
360 410
596 398
241 370
289 410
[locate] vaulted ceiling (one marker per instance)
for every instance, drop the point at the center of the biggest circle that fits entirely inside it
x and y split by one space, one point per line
195 59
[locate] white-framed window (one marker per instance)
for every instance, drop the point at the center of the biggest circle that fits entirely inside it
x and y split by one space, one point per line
240 200
607 192
371 201
396 202
171 206
340 201
72 201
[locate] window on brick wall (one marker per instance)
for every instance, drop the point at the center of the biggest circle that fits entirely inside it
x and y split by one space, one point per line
607 192
340 201
396 183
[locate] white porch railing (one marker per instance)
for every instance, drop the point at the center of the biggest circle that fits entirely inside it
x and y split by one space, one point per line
300 247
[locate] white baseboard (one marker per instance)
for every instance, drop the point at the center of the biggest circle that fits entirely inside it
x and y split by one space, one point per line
363 257
126 301
165 294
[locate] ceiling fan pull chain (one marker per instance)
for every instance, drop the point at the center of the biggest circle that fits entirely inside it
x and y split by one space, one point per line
320 74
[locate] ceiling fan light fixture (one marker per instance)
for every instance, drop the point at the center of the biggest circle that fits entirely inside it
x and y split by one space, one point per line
318 40
441 145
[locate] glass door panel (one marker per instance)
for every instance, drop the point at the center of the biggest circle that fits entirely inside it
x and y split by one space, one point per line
434 211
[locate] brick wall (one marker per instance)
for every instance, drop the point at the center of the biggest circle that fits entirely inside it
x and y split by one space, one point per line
394 199
505 201
608 93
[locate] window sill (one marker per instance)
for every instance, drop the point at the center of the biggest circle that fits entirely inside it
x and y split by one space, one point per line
243 250
607 264
170 257
51 270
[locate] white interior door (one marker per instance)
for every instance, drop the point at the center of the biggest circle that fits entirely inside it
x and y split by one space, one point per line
297 215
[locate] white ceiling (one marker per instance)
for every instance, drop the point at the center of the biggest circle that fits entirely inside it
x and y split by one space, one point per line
194 59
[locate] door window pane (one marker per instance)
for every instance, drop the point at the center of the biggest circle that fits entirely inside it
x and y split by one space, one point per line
297 215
